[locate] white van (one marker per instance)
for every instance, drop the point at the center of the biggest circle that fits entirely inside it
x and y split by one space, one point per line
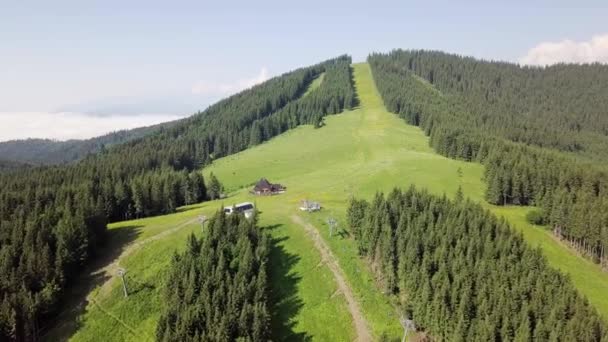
245 208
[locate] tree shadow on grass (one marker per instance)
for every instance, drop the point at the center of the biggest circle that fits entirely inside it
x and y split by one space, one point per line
285 303
343 234
135 285
356 102
191 207
66 321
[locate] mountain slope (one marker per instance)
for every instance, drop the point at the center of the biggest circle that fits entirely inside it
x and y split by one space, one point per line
563 107
356 153
353 154
54 218
369 149
304 308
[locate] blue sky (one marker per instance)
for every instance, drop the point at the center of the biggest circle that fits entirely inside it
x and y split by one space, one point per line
127 63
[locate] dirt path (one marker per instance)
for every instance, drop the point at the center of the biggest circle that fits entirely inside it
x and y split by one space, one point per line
66 323
111 269
327 257
120 321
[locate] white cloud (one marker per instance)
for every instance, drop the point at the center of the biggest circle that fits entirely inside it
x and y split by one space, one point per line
67 125
569 51
217 88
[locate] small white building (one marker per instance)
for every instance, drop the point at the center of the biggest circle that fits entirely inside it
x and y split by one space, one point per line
245 208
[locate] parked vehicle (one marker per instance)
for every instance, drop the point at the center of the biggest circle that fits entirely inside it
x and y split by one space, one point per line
245 208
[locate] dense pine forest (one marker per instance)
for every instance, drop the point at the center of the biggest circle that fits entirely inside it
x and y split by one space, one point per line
51 152
217 289
540 132
464 274
53 219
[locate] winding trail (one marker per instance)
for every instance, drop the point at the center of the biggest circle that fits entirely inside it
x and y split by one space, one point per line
107 272
110 269
327 257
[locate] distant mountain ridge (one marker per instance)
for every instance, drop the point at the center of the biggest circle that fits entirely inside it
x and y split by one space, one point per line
9 165
53 152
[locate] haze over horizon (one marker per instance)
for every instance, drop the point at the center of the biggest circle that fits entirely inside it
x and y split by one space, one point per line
74 71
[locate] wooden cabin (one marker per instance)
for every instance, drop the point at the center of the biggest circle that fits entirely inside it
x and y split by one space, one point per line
264 187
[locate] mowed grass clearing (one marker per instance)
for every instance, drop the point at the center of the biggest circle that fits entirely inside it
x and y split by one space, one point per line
356 153
314 84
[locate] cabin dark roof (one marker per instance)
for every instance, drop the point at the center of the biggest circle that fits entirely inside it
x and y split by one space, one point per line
263 184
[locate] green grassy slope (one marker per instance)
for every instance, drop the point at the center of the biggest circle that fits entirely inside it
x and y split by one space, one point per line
305 291
355 153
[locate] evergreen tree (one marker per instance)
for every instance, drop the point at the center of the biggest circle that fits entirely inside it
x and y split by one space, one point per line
214 188
459 197
217 289
256 134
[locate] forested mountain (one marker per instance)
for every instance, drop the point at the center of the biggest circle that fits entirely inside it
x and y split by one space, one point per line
526 125
564 107
464 275
51 152
53 219
217 290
